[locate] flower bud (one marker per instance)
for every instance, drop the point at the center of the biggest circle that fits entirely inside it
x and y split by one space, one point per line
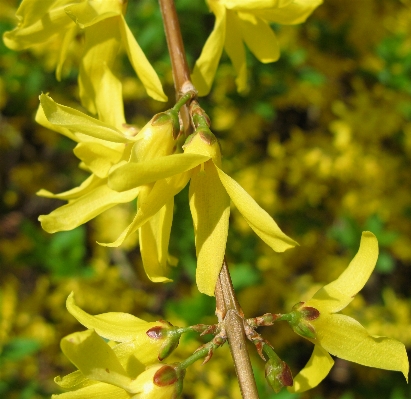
277 372
203 142
160 381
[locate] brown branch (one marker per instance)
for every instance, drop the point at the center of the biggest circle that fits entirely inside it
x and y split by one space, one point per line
228 310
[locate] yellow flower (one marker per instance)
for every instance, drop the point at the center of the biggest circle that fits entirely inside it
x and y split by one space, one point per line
341 335
105 31
210 193
245 21
117 368
101 147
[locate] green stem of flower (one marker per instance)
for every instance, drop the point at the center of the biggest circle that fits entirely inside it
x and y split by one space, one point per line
183 100
199 354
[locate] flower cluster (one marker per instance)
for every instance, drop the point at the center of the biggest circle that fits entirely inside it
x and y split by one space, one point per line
248 22
126 366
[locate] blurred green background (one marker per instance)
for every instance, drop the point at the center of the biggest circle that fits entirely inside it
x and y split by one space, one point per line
322 141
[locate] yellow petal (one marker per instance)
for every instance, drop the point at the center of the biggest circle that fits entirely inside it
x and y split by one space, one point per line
74 380
41 119
141 65
338 294
85 15
316 369
135 174
95 391
89 184
206 66
102 43
252 5
116 326
67 38
154 239
235 49
98 158
210 208
344 337
76 121
295 12
258 219
85 208
162 192
37 24
259 37
94 358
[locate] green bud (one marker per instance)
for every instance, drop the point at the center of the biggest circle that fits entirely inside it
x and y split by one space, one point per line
299 320
170 336
277 372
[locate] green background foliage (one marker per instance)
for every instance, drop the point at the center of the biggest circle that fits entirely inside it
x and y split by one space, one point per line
322 141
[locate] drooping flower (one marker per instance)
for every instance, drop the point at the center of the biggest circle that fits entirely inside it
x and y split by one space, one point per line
100 147
124 367
105 32
341 335
246 21
210 193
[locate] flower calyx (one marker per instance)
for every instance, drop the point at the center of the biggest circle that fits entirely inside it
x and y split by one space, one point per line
299 320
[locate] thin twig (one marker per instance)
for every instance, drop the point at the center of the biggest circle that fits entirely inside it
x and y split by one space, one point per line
228 310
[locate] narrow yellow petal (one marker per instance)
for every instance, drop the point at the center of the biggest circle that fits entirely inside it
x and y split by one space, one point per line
338 294
258 219
41 119
162 192
141 65
102 44
67 38
234 47
344 337
206 66
75 380
316 369
98 158
94 358
76 121
210 208
37 26
85 15
85 208
95 391
89 184
135 174
252 5
116 326
295 12
259 37
154 239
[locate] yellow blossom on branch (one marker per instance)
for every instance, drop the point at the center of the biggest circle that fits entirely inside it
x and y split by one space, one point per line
101 147
341 335
105 32
210 193
238 22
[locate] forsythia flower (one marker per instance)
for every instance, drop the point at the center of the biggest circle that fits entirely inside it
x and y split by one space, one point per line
105 31
100 147
247 21
112 369
210 193
341 335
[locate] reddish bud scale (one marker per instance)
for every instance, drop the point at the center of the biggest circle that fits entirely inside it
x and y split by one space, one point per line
156 332
310 313
167 375
285 377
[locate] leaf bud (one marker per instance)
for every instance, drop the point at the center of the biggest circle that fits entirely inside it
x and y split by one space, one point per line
169 335
277 372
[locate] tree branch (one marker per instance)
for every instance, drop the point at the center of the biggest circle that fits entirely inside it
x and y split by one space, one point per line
228 310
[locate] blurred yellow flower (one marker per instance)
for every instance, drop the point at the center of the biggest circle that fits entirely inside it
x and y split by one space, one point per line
101 147
343 336
245 21
210 193
105 31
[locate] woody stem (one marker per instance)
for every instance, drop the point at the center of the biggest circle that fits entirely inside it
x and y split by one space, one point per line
228 310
